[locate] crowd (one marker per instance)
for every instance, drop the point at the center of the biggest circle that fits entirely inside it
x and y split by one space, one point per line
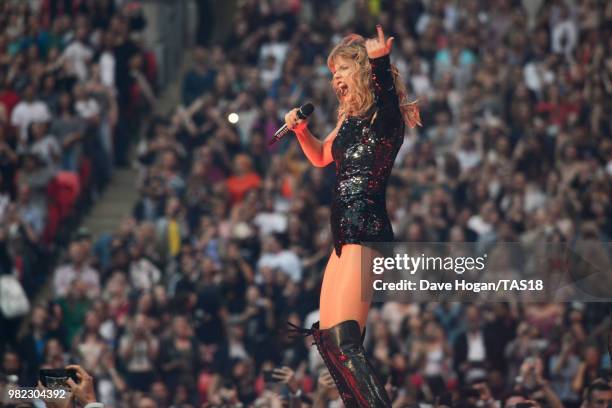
75 81
186 303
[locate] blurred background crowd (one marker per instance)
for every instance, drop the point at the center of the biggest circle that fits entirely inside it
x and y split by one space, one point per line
75 82
186 302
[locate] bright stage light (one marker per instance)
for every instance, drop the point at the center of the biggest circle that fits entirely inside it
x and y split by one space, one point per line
233 118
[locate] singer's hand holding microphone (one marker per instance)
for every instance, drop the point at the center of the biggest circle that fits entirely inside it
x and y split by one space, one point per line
293 120
296 120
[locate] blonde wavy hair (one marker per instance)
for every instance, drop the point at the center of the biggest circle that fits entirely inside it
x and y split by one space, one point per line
360 100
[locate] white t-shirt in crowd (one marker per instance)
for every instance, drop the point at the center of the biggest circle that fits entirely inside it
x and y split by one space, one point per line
79 56
285 261
87 108
26 113
64 275
107 69
476 348
479 225
144 274
468 158
270 222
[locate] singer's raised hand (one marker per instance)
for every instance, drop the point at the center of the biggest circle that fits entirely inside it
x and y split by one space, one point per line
293 122
378 46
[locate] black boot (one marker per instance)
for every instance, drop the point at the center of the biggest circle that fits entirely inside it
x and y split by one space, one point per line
342 351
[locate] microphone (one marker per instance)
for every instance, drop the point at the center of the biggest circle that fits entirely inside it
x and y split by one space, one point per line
302 113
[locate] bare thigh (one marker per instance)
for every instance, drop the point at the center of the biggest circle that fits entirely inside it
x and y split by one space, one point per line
345 295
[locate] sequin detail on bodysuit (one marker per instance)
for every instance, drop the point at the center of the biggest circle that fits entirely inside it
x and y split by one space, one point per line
364 151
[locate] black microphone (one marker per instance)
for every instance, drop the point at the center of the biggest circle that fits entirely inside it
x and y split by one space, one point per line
302 113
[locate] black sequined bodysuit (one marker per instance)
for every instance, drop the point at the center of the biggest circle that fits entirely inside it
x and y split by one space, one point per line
364 151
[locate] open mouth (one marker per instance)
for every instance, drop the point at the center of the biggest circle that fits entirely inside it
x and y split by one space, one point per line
341 88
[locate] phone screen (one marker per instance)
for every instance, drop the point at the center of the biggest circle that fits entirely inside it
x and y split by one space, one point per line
56 378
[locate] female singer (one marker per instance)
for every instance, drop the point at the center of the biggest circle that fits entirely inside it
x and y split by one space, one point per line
371 116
